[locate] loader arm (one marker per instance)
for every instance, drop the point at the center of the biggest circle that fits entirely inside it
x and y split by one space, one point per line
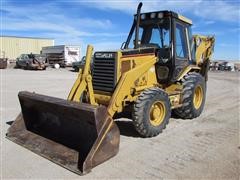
126 83
83 81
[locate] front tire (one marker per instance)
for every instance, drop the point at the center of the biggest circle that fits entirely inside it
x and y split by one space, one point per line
76 69
193 98
151 112
17 66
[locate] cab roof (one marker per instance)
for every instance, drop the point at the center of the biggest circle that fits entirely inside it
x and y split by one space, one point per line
165 13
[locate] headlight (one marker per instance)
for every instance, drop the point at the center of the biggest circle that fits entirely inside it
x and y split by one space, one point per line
153 15
160 15
143 16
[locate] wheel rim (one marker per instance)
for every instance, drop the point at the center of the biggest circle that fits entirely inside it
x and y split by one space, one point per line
198 97
157 113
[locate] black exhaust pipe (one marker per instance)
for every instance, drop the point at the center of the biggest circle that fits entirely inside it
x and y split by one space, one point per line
137 24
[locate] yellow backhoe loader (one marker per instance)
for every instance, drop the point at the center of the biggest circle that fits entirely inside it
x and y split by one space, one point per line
161 69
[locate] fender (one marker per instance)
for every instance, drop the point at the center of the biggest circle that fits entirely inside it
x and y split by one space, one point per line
187 70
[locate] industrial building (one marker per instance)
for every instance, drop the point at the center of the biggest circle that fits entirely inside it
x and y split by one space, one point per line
12 46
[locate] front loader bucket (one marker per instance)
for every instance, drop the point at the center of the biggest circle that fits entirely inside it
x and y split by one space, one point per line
73 135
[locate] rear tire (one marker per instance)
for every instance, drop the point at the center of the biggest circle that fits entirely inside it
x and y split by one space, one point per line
151 112
194 94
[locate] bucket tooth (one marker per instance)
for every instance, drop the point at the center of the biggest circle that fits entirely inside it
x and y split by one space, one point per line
73 135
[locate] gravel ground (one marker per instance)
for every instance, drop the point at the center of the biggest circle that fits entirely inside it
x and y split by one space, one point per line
206 147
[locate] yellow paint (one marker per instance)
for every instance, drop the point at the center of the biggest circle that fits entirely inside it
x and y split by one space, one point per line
147 79
204 48
127 80
187 70
157 113
174 89
102 99
75 86
198 97
84 81
184 19
118 64
141 88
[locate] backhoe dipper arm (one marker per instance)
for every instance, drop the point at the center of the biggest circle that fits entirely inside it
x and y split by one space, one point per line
204 51
126 83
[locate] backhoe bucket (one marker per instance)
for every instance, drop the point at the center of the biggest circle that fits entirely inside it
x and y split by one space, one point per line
74 135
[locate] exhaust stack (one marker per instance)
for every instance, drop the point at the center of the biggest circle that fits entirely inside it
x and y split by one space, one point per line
137 25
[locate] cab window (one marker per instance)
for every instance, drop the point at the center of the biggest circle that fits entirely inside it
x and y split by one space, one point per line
192 49
155 38
131 44
156 34
181 46
153 34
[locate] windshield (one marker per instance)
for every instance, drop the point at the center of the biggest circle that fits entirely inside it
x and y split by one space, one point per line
153 34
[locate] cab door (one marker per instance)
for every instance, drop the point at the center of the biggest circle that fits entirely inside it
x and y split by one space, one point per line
181 46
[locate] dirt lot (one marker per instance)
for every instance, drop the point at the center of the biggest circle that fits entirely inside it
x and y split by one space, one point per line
207 147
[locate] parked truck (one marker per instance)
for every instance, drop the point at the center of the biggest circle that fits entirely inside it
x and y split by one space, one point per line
3 60
31 62
63 55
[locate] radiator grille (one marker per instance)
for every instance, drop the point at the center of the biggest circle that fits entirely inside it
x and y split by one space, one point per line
103 74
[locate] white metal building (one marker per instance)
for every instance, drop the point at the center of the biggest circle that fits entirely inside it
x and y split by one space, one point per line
12 46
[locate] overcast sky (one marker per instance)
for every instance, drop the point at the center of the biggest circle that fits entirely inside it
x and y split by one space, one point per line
105 24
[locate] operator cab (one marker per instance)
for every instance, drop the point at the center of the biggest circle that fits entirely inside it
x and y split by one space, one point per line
168 35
